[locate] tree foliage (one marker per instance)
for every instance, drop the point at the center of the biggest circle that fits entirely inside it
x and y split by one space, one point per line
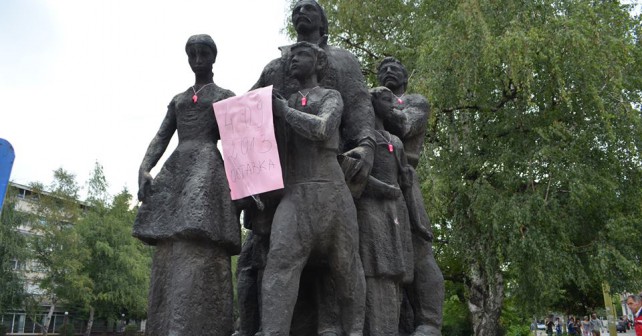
55 244
12 252
118 264
88 259
534 140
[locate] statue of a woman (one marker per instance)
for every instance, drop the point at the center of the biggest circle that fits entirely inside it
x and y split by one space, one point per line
187 212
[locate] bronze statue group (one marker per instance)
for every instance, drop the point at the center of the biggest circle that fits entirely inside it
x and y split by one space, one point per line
345 248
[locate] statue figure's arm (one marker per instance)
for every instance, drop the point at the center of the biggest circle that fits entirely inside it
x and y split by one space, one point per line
417 113
405 174
419 221
155 150
408 121
357 126
379 189
407 177
318 127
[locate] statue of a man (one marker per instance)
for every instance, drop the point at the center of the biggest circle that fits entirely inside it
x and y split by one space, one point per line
316 217
187 212
405 115
343 74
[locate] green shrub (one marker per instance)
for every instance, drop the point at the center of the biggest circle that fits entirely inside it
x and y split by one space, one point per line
518 330
67 330
456 318
131 330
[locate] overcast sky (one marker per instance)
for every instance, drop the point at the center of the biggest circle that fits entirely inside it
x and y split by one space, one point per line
89 80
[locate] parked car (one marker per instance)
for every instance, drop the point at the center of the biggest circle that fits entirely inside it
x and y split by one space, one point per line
620 326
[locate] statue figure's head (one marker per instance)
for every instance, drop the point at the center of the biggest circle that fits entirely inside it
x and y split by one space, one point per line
307 59
392 74
308 16
201 52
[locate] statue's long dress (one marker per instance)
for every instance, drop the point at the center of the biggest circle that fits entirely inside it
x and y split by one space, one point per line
191 220
385 240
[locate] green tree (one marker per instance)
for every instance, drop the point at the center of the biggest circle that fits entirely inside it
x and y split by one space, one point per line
118 264
534 140
12 252
55 244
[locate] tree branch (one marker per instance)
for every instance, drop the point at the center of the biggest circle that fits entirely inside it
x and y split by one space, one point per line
507 95
458 278
357 46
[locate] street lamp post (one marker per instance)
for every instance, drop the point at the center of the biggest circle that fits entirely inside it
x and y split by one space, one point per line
64 323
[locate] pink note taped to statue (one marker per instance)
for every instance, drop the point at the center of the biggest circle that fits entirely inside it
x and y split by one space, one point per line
250 153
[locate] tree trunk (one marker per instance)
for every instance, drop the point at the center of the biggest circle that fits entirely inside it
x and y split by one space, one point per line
90 322
486 298
45 326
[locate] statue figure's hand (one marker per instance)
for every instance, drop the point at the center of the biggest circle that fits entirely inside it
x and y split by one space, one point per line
358 175
279 104
242 203
422 232
144 185
395 192
382 101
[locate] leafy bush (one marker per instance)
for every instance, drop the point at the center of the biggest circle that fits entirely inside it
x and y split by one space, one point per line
131 330
456 318
518 330
67 330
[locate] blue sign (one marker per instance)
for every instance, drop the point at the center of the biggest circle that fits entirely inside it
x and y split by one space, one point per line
6 163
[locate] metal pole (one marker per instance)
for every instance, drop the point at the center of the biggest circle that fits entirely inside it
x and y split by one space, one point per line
608 304
64 324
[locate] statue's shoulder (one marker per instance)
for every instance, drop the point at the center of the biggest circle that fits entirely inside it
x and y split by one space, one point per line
339 52
273 65
272 73
332 92
417 100
329 93
331 97
224 93
177 97
276 65
344 71
342 58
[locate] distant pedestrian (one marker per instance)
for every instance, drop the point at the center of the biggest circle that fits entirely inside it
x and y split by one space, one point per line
549 325
570 327
627 322
586 326
578 326
635 304
558 326
596 325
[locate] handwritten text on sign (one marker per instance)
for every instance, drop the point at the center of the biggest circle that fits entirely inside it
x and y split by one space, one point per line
250 154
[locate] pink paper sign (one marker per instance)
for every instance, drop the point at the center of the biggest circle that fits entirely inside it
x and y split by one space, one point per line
250 153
